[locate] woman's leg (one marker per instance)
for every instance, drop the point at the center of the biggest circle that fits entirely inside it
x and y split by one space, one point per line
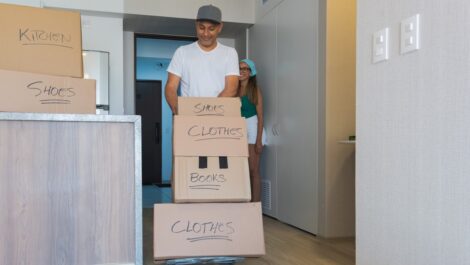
255 178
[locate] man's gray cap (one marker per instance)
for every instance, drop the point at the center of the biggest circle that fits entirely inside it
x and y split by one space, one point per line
210 13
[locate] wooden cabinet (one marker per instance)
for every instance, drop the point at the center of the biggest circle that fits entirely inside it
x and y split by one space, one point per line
71 189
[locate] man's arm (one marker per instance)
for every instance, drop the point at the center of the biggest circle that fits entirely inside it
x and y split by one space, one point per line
171 89
231 86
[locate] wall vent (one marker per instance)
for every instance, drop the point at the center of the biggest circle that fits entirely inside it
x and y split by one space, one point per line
266 194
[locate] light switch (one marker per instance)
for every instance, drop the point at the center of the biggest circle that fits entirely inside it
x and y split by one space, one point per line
409 34
380 45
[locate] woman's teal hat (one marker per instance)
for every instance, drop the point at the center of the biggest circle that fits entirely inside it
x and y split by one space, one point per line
252 66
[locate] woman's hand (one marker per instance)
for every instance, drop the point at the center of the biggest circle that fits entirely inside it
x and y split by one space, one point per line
258 147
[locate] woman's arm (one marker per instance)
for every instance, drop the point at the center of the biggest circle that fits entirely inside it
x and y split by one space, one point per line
259 134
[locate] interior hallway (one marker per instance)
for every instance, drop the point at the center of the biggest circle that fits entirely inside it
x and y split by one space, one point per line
285 245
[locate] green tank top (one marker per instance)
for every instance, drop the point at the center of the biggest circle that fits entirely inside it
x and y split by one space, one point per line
248 108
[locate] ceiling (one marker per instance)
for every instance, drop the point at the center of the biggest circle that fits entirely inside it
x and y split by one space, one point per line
175 26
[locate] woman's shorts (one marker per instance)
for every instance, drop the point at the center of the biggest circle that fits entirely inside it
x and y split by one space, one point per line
252 130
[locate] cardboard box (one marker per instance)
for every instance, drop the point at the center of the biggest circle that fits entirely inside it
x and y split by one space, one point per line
209 136
40 40
213 183
195 106
209 229
195 137
27 92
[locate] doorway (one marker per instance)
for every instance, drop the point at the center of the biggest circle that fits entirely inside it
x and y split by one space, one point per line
153 54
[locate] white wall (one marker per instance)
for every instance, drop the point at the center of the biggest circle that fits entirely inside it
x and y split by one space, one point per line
36 3
261 9
105 34
227 41
111 6
129 74
242 11
413 134
241 44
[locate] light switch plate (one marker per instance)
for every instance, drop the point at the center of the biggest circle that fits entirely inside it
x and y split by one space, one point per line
380 45
409 34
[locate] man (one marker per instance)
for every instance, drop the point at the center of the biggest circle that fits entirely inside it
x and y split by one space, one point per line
204 68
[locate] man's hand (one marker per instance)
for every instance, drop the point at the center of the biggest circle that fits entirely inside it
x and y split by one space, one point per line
231 86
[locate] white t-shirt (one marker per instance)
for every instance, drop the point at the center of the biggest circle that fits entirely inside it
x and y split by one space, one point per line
203 73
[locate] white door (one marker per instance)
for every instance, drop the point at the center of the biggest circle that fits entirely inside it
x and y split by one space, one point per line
298 115
264 53
283 44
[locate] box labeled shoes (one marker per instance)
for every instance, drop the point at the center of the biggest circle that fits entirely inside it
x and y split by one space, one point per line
29 92
195 106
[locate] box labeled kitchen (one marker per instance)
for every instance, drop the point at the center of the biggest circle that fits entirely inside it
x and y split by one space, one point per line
41 40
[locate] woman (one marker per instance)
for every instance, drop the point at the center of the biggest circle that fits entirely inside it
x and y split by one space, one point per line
252 111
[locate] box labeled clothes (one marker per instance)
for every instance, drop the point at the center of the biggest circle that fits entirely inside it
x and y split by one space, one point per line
208 229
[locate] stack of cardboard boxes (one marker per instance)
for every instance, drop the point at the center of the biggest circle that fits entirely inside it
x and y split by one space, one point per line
211 215
41 65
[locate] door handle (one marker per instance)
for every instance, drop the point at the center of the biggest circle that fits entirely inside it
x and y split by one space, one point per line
157 133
